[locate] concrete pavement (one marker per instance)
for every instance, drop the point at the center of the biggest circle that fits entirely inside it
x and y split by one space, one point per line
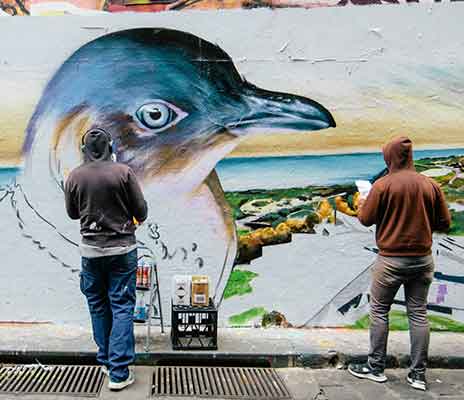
319 384
326 351
339 385
317 348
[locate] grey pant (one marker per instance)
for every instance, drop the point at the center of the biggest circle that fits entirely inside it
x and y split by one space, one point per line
388 274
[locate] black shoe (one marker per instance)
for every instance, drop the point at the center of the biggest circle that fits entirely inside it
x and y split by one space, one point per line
417 380
364 371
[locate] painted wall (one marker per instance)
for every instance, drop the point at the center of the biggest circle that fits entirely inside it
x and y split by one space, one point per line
89 7
229 126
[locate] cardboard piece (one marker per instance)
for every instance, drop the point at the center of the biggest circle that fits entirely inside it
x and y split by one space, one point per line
200 290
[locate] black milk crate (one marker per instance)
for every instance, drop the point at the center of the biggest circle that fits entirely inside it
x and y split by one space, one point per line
194 327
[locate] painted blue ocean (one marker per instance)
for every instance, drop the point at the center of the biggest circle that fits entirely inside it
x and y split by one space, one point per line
7 174
294 171
300 171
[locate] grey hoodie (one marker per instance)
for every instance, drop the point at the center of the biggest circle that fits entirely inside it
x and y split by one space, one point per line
105 196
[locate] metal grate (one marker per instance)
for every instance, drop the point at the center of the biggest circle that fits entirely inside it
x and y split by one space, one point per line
75 380
218 382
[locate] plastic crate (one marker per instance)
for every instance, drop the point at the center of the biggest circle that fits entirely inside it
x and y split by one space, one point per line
194 328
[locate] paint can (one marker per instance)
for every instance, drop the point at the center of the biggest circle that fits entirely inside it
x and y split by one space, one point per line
146 276
141 311
139 276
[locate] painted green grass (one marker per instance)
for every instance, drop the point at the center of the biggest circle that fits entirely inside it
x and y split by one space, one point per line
453 191
261 203
399 322
423 166
237 199
239 283
457 183
457 223
452 194
444 180
246 316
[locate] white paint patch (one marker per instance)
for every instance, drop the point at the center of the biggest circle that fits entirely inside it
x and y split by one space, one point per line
436 172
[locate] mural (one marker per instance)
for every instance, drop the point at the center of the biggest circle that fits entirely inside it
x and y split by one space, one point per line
182 106
9 7
86 7
250 184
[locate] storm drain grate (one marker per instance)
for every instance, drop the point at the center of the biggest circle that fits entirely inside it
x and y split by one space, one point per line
219 382
75 380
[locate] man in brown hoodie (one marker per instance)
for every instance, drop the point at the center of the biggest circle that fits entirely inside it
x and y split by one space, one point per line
406 208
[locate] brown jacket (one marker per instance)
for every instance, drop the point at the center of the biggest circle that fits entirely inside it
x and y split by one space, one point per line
405 206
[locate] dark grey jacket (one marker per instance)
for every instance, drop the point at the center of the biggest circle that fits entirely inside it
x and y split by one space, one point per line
105 196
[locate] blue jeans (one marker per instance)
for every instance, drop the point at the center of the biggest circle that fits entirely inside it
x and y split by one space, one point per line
108 283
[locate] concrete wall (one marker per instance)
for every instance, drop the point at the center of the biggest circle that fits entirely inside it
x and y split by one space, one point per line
377 71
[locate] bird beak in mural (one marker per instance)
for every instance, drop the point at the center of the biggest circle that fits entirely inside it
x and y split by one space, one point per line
281 111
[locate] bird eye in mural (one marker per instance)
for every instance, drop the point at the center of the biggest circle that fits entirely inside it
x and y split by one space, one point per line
175 106
159 115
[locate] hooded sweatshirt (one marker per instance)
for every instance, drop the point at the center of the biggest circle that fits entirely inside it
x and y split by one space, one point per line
405 206
105 196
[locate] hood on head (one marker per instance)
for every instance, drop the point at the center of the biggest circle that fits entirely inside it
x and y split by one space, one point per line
97 146
398 154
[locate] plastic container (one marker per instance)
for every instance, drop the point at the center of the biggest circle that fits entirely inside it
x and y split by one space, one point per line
194 328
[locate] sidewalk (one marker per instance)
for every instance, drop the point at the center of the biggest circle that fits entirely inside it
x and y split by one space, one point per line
306 384
316 348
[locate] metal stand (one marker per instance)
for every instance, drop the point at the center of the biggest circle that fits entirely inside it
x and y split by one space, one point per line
154 300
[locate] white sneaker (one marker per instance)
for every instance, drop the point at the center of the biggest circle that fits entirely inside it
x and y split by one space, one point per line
104 369
364 371
121 385
417 380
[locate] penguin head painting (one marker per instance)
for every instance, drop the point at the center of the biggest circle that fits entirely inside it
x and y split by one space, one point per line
174 105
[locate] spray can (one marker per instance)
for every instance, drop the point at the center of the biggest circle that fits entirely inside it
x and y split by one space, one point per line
140 312
139 276
146 275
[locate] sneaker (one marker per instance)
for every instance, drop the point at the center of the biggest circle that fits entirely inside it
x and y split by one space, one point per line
364 371
123 384
105 370
417 380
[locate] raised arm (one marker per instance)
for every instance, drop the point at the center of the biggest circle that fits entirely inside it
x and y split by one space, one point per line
368 210
138 205
70 196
